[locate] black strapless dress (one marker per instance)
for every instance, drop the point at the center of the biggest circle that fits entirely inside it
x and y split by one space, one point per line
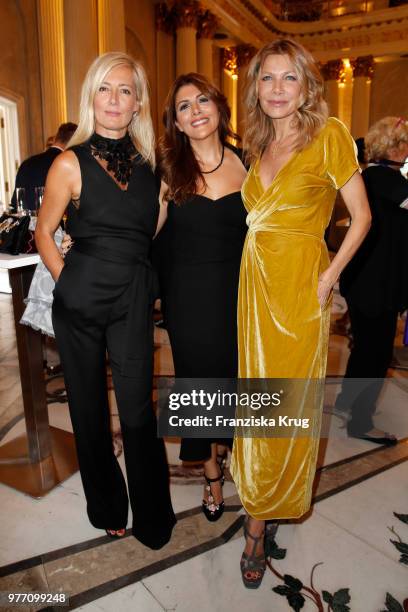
201 251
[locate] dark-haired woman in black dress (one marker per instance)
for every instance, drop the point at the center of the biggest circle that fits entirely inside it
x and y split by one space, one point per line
201 246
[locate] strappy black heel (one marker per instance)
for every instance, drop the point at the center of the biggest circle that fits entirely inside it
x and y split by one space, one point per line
222 460
213 511
251 563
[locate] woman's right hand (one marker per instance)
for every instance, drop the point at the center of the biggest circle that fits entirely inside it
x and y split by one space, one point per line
56 279
63 183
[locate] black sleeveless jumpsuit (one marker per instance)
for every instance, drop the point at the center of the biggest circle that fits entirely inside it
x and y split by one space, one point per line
103 301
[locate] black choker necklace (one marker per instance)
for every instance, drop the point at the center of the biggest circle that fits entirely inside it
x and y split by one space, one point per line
216 167
119 155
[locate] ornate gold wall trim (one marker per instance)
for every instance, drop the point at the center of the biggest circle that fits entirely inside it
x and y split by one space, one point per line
382 31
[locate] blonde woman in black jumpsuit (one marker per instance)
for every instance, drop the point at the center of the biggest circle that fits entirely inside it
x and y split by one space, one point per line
103 296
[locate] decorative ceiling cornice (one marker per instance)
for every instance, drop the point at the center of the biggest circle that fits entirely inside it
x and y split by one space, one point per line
251 22
324 26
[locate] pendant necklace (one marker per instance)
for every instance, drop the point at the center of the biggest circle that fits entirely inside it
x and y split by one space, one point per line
216 167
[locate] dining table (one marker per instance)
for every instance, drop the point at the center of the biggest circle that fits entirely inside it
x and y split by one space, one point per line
42 457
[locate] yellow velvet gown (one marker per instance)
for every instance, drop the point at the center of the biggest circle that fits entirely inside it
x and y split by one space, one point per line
282 330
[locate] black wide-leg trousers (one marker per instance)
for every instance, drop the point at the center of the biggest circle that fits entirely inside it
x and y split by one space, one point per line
92 300
370 358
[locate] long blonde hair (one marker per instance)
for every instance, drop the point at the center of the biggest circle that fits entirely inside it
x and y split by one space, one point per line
310 116
140 128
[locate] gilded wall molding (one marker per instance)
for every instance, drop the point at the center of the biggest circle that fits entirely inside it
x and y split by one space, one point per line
230 60
382 31
333 70
186 13
363 66
244 54
207 24
164 18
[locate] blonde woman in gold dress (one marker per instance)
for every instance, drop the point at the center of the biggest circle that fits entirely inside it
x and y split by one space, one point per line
299 159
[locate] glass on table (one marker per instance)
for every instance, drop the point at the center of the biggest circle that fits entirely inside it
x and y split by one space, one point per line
21 201
38 198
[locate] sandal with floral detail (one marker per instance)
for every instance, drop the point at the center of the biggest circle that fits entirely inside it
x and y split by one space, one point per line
213 511
116 534
252 566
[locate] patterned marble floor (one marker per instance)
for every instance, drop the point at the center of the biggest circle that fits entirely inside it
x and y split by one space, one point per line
349 553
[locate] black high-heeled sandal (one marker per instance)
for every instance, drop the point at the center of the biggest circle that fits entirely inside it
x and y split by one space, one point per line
252 563
213 511
116 535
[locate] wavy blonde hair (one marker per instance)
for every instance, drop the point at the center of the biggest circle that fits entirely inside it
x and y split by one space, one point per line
140 128
311 114
387 133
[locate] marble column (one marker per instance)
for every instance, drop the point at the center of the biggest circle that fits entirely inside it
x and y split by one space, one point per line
230 81
80 24
207 25
165 61
332 72
186 14
111 25
363 71
244 55
50 15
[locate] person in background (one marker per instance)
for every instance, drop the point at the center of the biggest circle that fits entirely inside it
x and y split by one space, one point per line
375 282
50 142
33 171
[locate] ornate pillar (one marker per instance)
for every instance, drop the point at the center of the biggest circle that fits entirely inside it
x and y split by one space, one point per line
363 70
244 55
345 89
80 24
51 34
111 25
230 81
165 64
207 25
332 72
186 14
217 53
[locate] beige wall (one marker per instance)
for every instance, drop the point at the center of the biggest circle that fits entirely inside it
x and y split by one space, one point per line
389 90
141 41
20 70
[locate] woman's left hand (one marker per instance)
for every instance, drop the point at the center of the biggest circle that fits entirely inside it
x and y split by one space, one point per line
66 244
324 289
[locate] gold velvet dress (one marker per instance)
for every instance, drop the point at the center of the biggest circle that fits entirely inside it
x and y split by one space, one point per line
282 330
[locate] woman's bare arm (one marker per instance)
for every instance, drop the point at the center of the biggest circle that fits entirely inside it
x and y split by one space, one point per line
163 208
63 183
355 198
